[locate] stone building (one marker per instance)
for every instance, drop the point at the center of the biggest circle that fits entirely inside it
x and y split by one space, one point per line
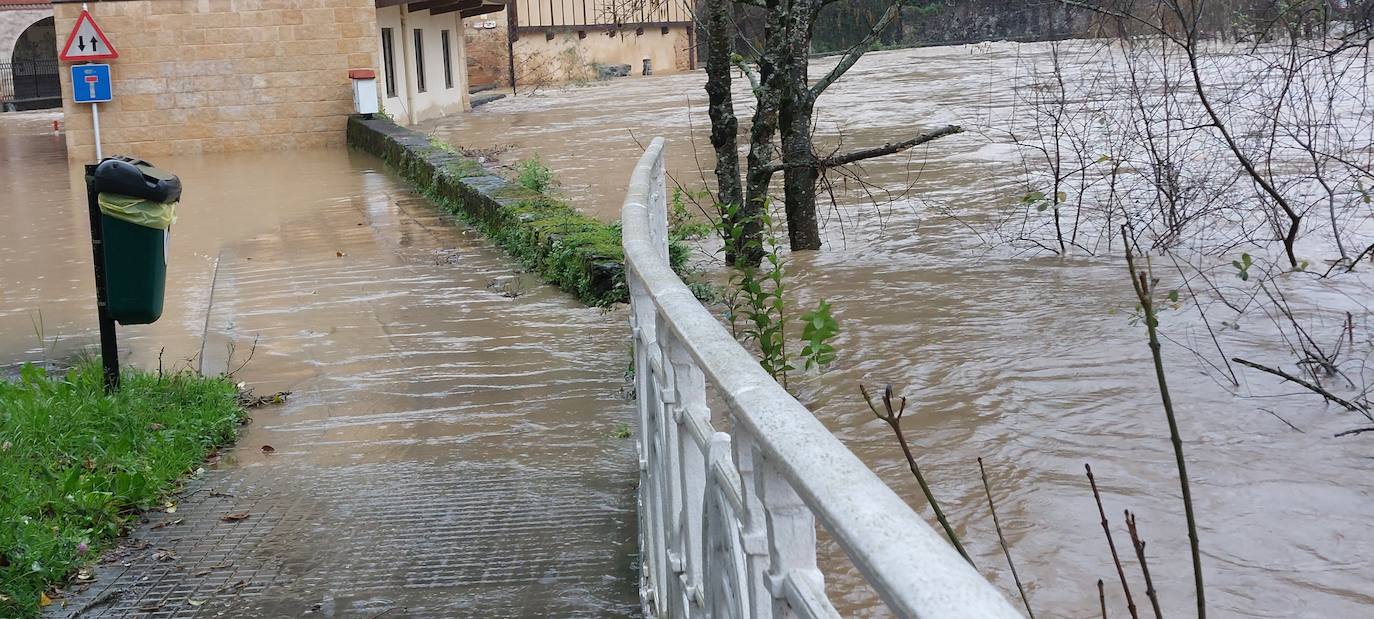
218 75
28 55
555 41
423 59
224 75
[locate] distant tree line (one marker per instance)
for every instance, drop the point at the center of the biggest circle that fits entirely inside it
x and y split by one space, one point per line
843 23
944 22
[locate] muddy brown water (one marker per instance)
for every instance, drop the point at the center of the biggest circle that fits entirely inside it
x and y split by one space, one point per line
1028 362
448 449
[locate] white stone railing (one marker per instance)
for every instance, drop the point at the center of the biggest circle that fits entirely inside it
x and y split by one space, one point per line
727 519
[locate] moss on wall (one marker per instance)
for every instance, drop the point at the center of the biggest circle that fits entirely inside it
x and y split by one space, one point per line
570 250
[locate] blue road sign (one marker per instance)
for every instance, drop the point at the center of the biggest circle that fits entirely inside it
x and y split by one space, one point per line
91 83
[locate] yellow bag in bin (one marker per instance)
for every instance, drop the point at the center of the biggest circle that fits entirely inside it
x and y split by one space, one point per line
146 213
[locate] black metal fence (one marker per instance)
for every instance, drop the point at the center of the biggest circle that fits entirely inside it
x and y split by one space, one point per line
29 84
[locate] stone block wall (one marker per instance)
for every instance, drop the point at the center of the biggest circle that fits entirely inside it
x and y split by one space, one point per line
488 50
568 55
222 75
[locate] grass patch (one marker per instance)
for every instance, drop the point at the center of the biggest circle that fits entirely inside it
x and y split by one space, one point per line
76 466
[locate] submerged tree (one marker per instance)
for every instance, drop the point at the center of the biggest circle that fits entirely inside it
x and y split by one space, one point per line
785 103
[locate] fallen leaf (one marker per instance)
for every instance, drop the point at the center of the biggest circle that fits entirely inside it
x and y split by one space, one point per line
164 555
84 574
195 602
340 254
43 599
238 585
234 517
267 449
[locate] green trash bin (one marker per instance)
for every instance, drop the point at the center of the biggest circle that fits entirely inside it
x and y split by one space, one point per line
136 235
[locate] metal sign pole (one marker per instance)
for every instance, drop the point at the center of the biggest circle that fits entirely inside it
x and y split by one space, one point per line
109 346
95 121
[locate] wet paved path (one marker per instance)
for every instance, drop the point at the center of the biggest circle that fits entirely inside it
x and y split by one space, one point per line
447 449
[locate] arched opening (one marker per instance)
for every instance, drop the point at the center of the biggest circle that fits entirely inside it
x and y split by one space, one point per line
29 81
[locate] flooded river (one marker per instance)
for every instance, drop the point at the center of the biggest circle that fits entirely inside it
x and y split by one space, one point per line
1026 361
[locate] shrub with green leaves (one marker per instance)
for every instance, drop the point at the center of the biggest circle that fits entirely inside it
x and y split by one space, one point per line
76 466
533 175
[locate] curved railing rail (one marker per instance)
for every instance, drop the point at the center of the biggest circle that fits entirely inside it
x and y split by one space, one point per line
727 519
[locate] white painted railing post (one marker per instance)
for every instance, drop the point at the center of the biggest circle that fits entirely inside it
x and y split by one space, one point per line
670 480
693 428
791 538
754 526
644 328
727 522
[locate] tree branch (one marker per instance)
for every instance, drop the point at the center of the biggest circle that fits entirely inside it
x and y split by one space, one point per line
835 161
1310 387
890 147
739 63
853 54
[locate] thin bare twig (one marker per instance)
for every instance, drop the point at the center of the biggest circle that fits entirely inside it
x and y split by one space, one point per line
1111 544
1139 545
1002 540
1354 431
893 417
1285 421
1144 285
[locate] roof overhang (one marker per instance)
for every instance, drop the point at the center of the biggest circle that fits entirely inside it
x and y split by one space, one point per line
464 8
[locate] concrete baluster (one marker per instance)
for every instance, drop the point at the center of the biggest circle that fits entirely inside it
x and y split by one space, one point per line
791 536
692 420
670 476
754 527
643 321
658 208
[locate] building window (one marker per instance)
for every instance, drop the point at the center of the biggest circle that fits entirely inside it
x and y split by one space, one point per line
419 60
389 62
448 62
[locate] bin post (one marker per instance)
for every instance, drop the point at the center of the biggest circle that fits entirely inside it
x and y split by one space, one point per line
109 350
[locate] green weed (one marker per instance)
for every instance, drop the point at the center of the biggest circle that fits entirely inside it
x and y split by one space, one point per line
533 175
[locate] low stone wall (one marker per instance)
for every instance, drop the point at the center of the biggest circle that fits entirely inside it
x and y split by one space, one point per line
570 250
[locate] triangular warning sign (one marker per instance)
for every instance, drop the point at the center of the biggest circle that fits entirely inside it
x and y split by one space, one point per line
87 42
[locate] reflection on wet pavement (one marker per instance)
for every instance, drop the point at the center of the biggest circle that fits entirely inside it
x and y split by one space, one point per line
447 449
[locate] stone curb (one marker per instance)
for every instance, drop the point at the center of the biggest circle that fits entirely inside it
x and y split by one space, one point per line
575 252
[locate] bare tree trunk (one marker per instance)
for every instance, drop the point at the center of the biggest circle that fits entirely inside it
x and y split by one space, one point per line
799 181
762 150
720 38
796 110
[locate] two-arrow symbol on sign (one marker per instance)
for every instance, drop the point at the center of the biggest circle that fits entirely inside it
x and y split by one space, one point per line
81 43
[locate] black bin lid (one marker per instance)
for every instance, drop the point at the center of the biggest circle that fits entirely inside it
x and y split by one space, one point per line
137 178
